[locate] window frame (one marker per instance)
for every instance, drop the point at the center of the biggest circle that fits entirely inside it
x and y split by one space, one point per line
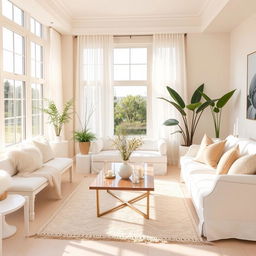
26 77
130 42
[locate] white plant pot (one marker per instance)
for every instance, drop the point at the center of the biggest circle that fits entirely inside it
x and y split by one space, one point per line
125 170
183 150
58 139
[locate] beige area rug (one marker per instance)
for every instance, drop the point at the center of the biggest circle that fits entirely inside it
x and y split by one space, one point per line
170 218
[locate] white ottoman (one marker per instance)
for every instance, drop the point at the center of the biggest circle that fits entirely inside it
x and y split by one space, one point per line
83 163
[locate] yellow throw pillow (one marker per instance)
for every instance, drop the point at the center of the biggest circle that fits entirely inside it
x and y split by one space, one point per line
244 165
213 153
227 160
204 143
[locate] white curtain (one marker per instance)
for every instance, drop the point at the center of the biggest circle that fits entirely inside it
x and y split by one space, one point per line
94 92
54 88
169 69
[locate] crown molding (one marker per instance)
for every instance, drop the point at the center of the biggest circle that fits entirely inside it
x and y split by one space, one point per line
136 24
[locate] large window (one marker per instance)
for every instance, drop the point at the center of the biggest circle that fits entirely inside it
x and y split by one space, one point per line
131 84
14 106
22 77
12 12
37 114
13 52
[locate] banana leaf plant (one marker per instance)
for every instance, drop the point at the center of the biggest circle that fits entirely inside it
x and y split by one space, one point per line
216 106
196 106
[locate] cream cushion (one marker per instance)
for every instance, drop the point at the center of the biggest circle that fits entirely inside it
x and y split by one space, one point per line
26 160
244 165
213 153
43 145
204 143
227 160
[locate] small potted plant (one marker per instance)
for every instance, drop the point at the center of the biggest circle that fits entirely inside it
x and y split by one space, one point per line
58 118
126 146
84 137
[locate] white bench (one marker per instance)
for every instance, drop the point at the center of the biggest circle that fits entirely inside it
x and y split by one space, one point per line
31 186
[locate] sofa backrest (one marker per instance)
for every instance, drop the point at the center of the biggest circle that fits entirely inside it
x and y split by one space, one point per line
6 165
246 146
147 145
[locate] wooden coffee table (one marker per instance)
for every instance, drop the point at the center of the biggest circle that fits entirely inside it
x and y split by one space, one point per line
146 185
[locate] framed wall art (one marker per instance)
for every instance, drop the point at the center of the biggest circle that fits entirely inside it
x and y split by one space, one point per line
251 86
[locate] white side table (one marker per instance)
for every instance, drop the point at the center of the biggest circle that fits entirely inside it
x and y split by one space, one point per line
11 204
83 163
60 149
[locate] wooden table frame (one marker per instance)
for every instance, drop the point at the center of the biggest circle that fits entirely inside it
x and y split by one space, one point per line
118 184
124 204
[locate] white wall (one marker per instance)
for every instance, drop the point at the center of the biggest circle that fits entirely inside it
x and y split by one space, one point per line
208 63
242 42
68 83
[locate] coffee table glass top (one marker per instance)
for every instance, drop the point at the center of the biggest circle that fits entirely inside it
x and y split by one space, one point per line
146 184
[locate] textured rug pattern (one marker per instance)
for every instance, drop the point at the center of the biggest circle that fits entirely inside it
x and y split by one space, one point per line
170 218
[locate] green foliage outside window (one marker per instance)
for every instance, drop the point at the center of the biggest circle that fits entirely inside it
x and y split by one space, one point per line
130 114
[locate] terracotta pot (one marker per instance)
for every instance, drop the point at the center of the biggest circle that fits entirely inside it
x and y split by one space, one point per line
84 147
3 196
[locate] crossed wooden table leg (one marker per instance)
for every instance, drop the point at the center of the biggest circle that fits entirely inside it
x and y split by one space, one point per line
124 204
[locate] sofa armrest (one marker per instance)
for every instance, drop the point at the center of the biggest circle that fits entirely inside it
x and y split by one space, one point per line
96 146
192 151
162 146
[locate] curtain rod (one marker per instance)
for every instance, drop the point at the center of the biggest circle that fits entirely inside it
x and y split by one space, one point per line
131 35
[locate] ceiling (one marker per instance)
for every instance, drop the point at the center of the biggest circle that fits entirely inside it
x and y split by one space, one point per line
117 8
139 16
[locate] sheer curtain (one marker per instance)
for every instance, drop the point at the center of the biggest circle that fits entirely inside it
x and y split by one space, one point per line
94 92
169 69
54 90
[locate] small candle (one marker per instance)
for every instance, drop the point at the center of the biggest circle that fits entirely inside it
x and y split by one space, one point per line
110 173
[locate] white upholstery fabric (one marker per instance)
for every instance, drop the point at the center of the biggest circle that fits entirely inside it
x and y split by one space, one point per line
7 165
43 145
26 160
27 183
225 204
162 147
96 146
59 163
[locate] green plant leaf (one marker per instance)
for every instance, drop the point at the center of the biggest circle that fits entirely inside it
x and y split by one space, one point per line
171 122
177 98
197 95
193 106
180 109
179 131
203 106
207 98
224 99
216 110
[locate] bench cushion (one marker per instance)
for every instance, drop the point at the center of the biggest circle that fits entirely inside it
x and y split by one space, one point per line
59 163
27 183
137 156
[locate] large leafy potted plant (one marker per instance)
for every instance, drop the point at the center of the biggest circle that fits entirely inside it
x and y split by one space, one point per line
196 107
56 117
216 106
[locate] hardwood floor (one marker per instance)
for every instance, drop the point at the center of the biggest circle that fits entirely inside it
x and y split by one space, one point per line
46 206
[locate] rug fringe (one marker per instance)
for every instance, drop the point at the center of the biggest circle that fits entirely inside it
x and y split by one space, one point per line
186 241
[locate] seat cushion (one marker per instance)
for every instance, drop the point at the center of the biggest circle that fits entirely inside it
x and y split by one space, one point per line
201 185
27 183
137 156
59 163
190 167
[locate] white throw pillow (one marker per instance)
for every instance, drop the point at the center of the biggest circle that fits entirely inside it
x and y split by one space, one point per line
43 145
26 160
244 165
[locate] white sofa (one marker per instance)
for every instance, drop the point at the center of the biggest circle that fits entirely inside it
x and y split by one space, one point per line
225 204
152 151
31 186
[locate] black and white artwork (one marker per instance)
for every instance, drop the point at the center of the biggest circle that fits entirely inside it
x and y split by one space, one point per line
251 86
